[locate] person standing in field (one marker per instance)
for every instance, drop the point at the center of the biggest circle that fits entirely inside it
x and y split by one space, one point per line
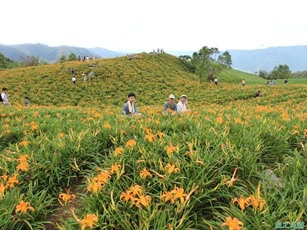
130 107
182 104
215 80
27 101
286 81
243 82
170 105
5 97
84 76
73 79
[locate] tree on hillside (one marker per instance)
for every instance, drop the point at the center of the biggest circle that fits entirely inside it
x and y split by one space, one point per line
209 63
30 61
185 57
263 74
225 59
281 72
186 62
63 58
72 57
5 62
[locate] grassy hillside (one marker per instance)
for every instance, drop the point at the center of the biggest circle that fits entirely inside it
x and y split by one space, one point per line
233 159
114 78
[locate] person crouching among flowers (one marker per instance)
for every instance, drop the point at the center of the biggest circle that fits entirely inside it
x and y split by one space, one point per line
130 107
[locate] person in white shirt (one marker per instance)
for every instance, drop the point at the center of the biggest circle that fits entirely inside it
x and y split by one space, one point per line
84 76
73 79
182 104
4 97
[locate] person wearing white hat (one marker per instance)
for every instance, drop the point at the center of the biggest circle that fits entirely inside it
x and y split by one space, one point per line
170 105
182 104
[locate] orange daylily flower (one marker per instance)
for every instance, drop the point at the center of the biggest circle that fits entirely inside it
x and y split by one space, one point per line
150 137
144 173
130 143
23 207
118 151
2 188
256 200
24 143
136 190
179 194
171 169
107 126
148 131
34 127
22 158
115 168
170 149
126 196
219 119
160 134
66 197
23 166
168 196
94 186
123 132
12 181
233 223
242 202
142 200
88 221
102 177
173 195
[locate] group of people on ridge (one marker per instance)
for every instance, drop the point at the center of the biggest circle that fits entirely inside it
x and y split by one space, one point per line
130 108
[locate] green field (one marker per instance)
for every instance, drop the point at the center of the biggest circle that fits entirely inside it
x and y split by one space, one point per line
80 164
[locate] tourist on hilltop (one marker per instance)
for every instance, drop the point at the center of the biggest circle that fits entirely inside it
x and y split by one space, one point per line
27 101
182 104
215 80
243 82
5 97
170 105
130 107
73 79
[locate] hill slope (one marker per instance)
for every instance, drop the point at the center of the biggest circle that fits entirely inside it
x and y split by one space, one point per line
151 77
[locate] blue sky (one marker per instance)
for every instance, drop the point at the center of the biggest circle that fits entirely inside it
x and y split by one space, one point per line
140 25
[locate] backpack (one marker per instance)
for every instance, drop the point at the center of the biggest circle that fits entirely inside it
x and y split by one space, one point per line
1 98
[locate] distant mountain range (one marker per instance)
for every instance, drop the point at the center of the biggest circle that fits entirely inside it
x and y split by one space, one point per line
52 54
245 60
265 59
